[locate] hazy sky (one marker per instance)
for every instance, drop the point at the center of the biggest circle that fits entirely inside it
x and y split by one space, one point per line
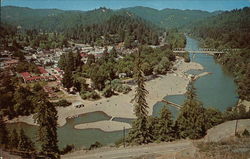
209 5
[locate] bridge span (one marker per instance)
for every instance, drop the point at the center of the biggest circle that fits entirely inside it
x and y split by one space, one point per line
203 50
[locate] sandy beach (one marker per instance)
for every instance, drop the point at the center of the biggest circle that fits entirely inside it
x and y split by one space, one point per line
111 126
120 105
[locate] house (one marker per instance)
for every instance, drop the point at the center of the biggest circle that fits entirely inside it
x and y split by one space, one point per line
28 78
43 71
10 63
58 70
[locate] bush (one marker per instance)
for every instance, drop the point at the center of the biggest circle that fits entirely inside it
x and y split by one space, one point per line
117 85
95 145
126 89
246 133
62 103
67 149
107 91
186 57
90 95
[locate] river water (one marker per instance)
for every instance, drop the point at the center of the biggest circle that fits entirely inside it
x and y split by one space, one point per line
216 90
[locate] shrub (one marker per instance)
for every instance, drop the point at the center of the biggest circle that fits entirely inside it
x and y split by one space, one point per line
89 95
95 145
62 103
246 133
67 149
117 85
107 91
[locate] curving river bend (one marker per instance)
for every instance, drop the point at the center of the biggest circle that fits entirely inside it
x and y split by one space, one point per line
216 90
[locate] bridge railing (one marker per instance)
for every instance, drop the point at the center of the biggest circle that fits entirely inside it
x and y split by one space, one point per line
205 49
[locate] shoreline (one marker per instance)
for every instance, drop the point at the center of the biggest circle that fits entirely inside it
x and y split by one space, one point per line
120 106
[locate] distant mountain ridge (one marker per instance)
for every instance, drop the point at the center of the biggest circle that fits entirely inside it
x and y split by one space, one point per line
57 20
170 18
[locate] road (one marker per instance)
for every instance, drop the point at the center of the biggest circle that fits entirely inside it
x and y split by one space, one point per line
132 152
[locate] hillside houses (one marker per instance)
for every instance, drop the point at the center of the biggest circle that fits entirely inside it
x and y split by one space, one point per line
45 75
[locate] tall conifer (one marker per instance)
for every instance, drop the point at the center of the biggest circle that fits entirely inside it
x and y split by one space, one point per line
47 117
139 133
191 121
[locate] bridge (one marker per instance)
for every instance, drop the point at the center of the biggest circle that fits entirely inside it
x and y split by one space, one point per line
174 104
203 50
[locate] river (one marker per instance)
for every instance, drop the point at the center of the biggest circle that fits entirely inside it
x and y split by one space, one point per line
216 90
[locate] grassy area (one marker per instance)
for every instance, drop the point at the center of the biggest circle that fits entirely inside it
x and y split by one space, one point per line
233 148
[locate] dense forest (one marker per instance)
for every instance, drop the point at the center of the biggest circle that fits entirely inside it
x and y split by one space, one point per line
230 29
14 39
170 18
117 29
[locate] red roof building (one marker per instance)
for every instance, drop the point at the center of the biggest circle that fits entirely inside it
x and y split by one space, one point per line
27 77
42 70
25 74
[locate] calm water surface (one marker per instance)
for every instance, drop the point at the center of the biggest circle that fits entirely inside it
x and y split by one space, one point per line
80 138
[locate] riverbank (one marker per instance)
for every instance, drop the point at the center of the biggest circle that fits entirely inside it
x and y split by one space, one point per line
121 106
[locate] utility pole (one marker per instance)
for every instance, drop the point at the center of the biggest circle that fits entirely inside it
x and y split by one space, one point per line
124 136
236 125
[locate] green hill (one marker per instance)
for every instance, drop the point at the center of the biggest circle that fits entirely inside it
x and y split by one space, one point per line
170 18
54 19
228 29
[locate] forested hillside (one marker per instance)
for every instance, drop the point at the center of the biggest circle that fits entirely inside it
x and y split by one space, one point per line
52 19
170 18
57 20
230 29
117 29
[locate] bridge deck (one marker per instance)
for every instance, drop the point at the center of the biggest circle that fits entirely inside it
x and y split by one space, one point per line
174 104
197 51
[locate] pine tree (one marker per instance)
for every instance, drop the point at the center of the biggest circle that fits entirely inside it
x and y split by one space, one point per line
191 121
4 140
67 79
139 133
141 93
46 117
14 139
165 126
70 62
25 144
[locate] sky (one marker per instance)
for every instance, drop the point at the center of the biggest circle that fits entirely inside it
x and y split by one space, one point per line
208 5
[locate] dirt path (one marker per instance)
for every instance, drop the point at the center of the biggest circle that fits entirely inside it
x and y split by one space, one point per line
132 152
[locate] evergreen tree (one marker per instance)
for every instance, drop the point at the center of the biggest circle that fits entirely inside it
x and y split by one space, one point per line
23 104
113 52
191 121
14 139
25 144
46 117
70 62
165 126
78 60
67 79
139 133
4 140
141 93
